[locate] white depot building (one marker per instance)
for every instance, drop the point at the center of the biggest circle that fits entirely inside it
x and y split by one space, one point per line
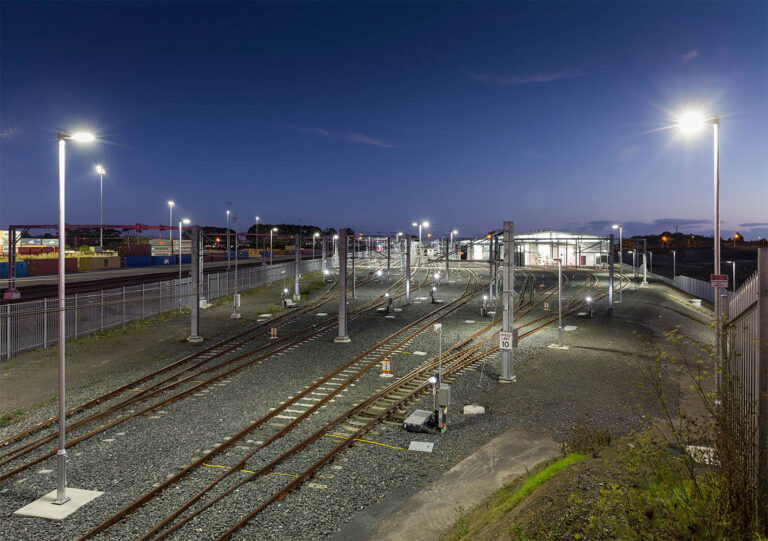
545 247
574 249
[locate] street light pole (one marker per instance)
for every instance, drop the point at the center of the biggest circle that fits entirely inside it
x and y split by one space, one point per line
257 232
184 221
674 265
273 230
100 170
229 206
236 296
61 454
170 222
733 274
621 259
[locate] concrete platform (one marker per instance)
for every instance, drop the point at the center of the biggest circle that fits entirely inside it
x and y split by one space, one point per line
429 513
45 508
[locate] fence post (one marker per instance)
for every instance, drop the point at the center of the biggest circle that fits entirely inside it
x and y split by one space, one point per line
75 315
45 322
142 300
8 331
123 306
101 312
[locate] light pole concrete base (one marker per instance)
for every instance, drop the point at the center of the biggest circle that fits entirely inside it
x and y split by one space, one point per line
297 297
512 379
43 508
557 346
194 339
342 340
643 284
235 315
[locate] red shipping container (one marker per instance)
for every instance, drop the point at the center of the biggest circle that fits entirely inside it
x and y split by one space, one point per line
51 266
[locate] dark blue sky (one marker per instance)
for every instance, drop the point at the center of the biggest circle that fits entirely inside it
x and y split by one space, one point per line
373 115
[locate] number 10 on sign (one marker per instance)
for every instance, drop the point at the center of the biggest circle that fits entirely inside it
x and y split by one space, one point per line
505 340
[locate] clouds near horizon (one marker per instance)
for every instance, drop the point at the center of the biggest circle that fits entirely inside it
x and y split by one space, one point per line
539 77
353 137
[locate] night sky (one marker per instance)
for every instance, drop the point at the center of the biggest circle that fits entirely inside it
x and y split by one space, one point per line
373 115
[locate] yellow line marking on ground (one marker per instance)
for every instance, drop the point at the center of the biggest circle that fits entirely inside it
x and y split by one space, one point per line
398 351
198 381
135 390
365 441
248 471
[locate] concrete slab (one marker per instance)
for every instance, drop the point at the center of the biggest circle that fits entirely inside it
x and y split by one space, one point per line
429 513
45 508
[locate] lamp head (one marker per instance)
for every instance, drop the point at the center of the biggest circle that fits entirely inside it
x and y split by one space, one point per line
171 203
186 221
691 122
589 299
83 137
425 223
415 224
100 169
455 231
274 229
616 226
316 234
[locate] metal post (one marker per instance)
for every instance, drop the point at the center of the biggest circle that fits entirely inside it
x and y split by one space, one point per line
718 308
229 206
645 262
447 253
389 262
101 311
610 272
45 321
180 252
674 265
12 293
101 208
560 300
323 254
194 313
621 262
296 295
354 277
236 296
61 454
342 246
123 306
142 302
490 266
508 355
408 270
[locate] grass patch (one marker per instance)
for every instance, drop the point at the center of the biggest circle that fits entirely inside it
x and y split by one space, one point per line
496 506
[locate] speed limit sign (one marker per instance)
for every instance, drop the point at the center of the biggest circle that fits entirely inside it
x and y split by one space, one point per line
505 340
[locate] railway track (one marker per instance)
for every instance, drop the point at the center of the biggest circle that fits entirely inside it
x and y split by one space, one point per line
189 370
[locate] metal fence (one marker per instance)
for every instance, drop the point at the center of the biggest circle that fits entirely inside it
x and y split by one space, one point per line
746 353
30 325
697 288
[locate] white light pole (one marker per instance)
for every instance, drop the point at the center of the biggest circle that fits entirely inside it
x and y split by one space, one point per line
692 122
61 454
560 300
273 230
420 225
236 296
314 238
335 238
733 274
185 221
674 265
229 211
170 222
621 257
101 171
257 232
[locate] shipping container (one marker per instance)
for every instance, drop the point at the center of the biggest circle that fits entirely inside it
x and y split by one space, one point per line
135 249
136 261
165 260
186 259
98 263
22 269
242 254
51 265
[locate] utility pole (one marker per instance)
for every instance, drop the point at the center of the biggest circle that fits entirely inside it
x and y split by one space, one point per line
508 355
194 312
408 270
322 251
447 252
610 272
645 263
236 296
342 252
296 294
490 267
354 280
229 211
389 255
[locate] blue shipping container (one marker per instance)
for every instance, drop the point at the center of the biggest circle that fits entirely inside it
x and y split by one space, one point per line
22 269
164 260
136 261
186 258
242 254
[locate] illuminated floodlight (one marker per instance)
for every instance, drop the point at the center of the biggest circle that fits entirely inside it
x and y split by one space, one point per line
433 379
434 288
455 231
186 221
171 203
485 297
83 137
437 276
100 169
378 272
589 299
285 290
326 272
691 122
616 226
386 294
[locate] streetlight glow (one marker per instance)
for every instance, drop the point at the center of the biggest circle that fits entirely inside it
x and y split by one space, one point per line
100 169
83 137
691 122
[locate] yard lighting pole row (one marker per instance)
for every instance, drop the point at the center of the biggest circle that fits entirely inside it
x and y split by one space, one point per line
420 225
170 222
